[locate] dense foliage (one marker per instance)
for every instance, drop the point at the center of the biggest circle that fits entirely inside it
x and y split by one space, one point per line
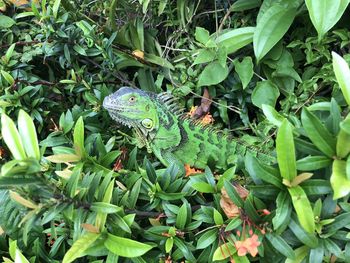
75 187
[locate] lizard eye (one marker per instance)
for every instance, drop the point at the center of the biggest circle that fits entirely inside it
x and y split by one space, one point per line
132 99
147 123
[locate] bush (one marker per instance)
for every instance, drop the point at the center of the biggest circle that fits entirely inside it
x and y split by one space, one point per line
75 187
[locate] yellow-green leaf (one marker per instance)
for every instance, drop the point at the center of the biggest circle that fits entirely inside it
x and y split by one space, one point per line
28 135
78 248
342 73
286 151
324 14
63 158
339 181
12 138
78 137
126 247
303 208
318 133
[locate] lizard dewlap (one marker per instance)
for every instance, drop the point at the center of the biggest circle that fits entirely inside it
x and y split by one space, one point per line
162 127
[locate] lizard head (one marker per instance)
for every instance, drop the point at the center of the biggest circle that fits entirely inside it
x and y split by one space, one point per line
133 108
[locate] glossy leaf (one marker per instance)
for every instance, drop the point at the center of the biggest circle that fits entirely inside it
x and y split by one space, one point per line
12 138
318 133
28 135
181 217
311 163
224 251
339 181
212 74
235 39
342 73
271 28
265 92
242 5
283 212
286 151
272 115
281 245
303 208
207 238
78 137
325 14
80 246
244 70
126 247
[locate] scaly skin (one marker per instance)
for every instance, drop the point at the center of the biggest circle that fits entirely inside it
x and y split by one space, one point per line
174 138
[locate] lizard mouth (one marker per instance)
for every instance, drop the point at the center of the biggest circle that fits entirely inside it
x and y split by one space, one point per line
115 111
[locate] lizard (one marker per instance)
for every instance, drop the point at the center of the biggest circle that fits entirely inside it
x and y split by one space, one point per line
161 126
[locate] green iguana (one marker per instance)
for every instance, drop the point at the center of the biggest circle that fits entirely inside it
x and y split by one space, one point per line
173 137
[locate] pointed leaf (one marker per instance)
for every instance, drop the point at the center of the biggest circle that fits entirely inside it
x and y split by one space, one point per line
318 133
12 138
303 208
271 28
28 135
339 181
342 73
80 246
286 151
126 247
235 39
325 14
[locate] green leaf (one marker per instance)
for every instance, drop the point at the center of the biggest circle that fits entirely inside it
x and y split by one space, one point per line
318 133
224 251
303 208
212 74
6 22
343 138
77 48
235 39
80 246
325 14
207 238
218 218
202 35
265 92
28 135
101 216
56 6
242 5
342 73
203 187
271 28
283 212
316 255
181 218
263 172
204 56
244 70
78 137
300 233
300 254
106 208
9 52
12 138
280 245
339 181
272 115
169 244
311 163
7 76
159 61
126 247
232 193
286 151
